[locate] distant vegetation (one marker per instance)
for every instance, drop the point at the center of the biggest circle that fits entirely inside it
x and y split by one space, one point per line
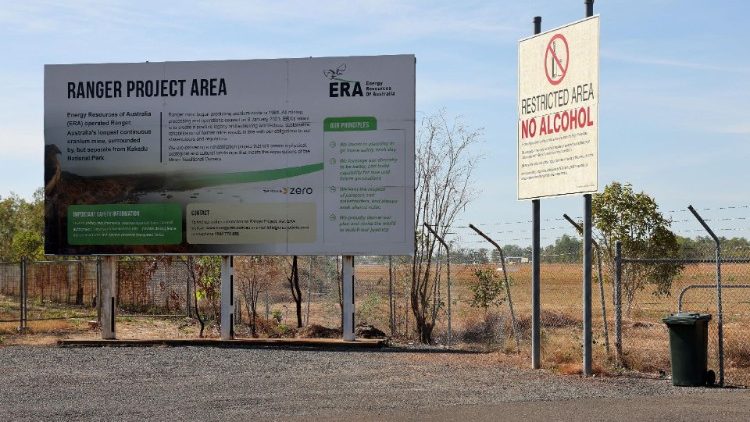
22 227
22 234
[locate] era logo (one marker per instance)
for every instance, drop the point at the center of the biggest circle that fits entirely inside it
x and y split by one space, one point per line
344 89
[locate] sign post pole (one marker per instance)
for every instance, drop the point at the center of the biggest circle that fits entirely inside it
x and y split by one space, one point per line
587 332
347 274
536 354
587 340
109 295
589 8
227 297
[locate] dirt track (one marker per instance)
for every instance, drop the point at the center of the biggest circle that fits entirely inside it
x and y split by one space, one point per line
202 383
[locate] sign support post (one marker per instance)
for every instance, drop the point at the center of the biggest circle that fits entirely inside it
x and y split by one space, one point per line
587 336
536 345
587 285
108 296
536 354
227 297
347 281
558 91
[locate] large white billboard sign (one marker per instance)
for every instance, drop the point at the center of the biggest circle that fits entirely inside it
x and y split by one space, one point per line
558 111
287 156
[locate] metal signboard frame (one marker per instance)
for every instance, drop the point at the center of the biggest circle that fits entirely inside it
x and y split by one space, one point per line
310 156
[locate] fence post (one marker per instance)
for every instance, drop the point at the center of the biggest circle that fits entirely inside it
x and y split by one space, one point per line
391 307
68 275
448 256
309 291
618 301
601 280
507 285
601 297
20 296
188 297
720 316
99 290
25 293
79 283
22 292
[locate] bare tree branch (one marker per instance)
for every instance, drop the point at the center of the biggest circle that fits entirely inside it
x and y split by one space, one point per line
444 168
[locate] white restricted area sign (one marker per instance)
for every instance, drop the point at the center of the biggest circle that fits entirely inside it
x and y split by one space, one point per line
310 156
558 111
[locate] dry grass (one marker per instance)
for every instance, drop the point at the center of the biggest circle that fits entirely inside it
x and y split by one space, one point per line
8 328
645 337
737 354
38 333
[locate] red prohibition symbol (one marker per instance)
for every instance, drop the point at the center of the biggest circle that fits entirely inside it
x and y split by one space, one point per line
556 59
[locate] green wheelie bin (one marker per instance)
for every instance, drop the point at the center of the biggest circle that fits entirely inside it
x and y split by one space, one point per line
688 345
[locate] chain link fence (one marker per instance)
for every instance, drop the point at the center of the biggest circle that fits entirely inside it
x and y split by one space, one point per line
383 298
10 291
645 338
162 287
154 286
157 287
66 289
30 289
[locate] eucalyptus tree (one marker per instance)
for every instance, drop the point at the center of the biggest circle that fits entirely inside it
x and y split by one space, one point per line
635 220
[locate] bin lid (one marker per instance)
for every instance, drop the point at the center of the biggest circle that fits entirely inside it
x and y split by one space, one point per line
686 318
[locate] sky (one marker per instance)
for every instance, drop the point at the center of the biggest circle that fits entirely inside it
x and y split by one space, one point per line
673 114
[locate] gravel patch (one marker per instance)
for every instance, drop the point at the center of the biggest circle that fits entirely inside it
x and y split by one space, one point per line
205 383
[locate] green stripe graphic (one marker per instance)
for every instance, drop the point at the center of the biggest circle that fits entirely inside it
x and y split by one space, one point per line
196 182
125 224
